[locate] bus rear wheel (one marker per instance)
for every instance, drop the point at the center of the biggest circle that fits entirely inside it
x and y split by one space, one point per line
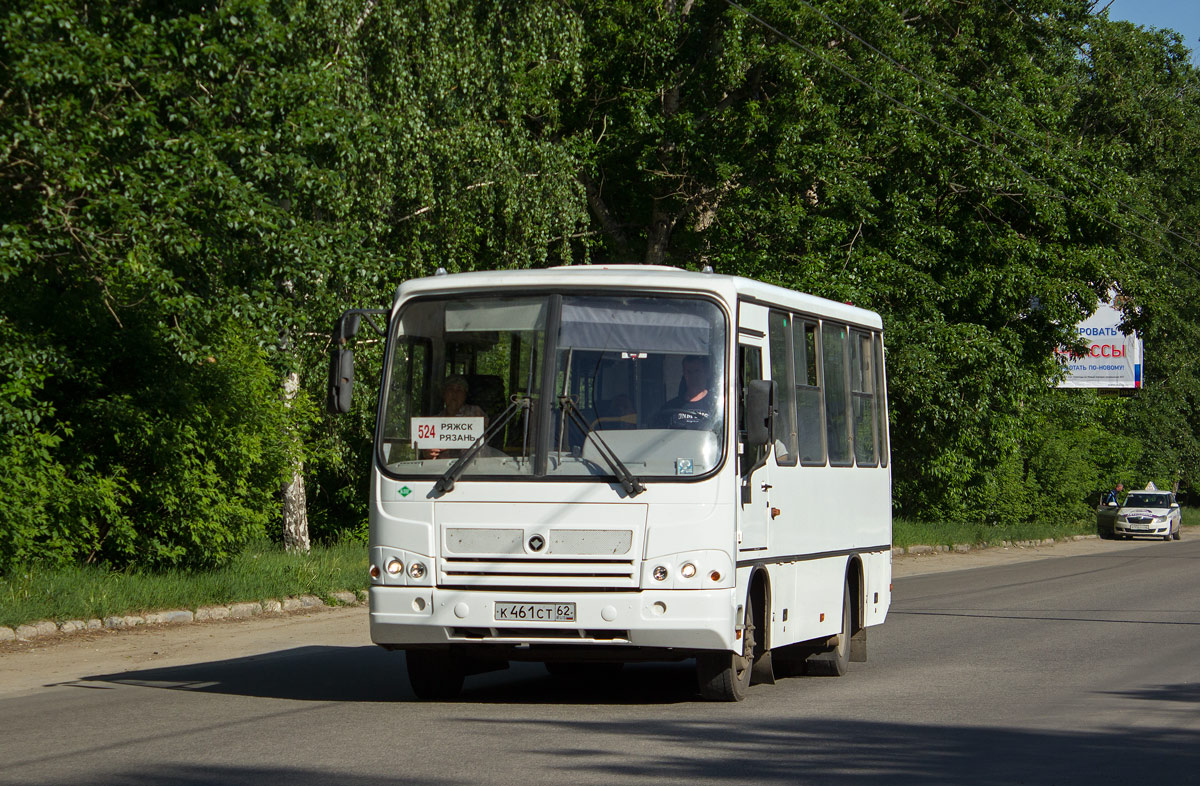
725 676
836 661
434 674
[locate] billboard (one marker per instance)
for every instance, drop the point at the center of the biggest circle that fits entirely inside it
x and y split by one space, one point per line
1113 360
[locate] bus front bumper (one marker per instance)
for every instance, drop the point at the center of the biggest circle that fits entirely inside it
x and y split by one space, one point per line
669 619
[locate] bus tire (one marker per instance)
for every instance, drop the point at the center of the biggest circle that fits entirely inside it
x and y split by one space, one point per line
434 675
724 675
836 661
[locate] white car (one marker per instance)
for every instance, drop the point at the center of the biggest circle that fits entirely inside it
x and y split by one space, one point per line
1149 513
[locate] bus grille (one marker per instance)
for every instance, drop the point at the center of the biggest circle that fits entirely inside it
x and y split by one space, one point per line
537 573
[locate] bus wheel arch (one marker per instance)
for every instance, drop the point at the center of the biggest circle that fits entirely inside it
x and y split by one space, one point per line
834 661
723 675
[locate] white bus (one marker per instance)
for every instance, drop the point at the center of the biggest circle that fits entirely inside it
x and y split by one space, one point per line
593 465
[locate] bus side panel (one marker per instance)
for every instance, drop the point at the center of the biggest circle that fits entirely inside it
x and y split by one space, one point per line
782 604
877 572
817 611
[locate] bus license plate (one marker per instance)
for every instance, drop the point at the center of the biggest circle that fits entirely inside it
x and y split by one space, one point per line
535 612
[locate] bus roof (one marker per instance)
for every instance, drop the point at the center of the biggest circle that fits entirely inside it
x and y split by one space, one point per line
641 277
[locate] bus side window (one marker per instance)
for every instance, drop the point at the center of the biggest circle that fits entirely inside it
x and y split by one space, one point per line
834 344
881 401
810 413
862 398
779 335
749 369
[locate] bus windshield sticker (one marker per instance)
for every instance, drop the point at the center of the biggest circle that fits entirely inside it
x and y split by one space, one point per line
683 466
445 432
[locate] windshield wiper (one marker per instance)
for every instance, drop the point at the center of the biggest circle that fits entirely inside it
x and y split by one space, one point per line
445 483
629 481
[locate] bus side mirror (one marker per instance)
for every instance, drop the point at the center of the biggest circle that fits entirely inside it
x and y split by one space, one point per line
760 410
341 381
341 365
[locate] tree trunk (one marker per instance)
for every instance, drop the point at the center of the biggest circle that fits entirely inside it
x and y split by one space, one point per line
295 500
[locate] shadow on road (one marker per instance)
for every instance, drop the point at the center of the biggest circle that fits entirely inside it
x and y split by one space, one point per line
371 674
760 751
1188 693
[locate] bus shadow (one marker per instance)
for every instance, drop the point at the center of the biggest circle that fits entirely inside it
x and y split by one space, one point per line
371 674
758 749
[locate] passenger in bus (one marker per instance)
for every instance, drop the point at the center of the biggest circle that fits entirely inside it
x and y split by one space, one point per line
454 404
693 408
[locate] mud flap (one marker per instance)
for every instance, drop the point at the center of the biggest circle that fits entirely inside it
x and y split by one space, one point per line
858 646
762 672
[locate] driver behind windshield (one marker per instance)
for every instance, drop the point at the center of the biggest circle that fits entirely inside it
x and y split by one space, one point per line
693 408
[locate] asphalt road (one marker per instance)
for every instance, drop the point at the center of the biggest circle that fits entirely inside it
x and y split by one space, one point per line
1074 669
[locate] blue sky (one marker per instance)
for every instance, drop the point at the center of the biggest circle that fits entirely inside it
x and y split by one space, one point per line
1183 16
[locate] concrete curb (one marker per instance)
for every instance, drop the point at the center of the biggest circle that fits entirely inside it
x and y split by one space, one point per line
964 548
45 628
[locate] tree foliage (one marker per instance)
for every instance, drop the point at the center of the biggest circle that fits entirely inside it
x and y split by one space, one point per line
194 190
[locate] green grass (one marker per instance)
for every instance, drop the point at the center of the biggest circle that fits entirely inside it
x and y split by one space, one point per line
906 532
260 573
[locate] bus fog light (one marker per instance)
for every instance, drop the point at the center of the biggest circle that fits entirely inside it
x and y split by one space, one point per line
688 570
659 573
416 570
395 567
375 572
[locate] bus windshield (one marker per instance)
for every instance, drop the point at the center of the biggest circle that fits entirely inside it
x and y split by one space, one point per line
552 382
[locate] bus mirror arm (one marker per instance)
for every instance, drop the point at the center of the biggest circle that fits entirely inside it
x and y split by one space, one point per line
628 480
445 484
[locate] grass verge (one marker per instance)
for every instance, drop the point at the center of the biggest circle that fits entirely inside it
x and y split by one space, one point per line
266 571
907 532
262 572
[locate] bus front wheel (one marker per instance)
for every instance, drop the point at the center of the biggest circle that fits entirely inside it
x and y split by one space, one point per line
725 676
434 674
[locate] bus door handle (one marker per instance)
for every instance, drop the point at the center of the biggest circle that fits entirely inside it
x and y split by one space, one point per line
767 487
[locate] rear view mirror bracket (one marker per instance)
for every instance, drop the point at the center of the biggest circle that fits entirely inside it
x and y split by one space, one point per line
341 357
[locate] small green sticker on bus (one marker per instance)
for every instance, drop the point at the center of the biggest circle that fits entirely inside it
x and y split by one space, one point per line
405 491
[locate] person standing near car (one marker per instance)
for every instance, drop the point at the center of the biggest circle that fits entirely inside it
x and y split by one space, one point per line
1113 497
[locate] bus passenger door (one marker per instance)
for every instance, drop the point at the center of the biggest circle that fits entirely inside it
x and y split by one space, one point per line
753 468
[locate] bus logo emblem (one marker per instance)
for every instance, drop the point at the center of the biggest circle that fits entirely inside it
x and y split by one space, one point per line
536 543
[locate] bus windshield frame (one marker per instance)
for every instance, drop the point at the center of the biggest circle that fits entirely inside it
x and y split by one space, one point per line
646 371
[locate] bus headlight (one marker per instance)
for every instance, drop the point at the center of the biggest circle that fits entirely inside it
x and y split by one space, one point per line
659 573
416 570
687 570
395 567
